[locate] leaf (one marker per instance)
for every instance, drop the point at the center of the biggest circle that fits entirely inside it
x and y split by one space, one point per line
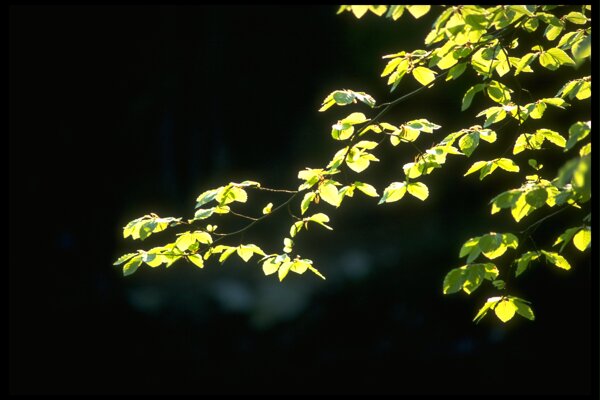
453 281
306 200
507 164
578 131
206 197
228 252
284 268
556 259
184 241
565 237
520 209
469 246
468 143
202 213
582 239
197 260
419 190
582 49
418 11
267 209
475 167
505 310
132 265
560 56
498 92
245 252
536 197
320 219
423 75
329 193
288 245
524 261
492 245
524 309
486 307
576 18
553 137
394 192
456 71
366 189
359 11
202 237
270 266
124 258
355 118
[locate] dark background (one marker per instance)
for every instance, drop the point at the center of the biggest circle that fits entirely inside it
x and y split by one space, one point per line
116 112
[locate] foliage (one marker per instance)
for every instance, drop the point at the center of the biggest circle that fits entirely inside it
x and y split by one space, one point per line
486 41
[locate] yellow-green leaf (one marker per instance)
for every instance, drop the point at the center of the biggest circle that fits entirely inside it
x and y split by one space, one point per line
583 239
197 260
505 310
423 75
419 190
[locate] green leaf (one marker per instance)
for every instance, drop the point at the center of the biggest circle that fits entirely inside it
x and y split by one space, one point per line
507 164
284 268
124 258
582 49
329 193
565 237
359 11
184 241
536 197
456 71
419 190
316 272
424 75
578 131
525 260
202 213
553 137
244 252
206 197
486 307
418 11
394 192
549 62
498 92
560 56
583 239
453 281
469 246
468 143
366 189
197 260
132 265
556 259
267 209
308 198
270 266
320 219
228 252
576 18
523 309
475 167
520 209
469 94
354 119
288 245
491 245
505 310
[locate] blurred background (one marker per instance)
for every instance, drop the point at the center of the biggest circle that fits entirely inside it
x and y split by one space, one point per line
116 112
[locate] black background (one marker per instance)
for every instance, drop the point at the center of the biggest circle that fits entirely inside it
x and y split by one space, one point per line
116 112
